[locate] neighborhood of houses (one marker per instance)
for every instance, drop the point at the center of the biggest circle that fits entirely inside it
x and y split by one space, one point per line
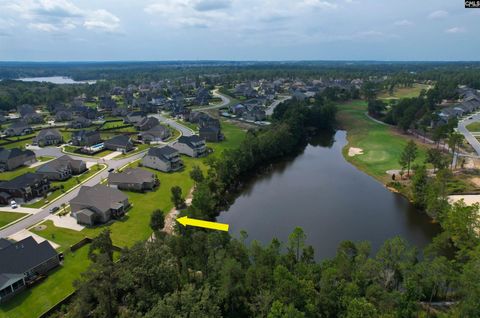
469 103
128 122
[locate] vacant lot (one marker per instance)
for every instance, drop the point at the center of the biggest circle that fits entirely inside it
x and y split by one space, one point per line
405 92
381 144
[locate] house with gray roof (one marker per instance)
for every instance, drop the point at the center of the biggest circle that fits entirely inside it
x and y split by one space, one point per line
86 138
211 133
80 122
22 262
122 143
18 128
98 204
33 118
193 146
134 117
10 159
48 137
166 159
133 179
147 123
62 168
24 188
156 134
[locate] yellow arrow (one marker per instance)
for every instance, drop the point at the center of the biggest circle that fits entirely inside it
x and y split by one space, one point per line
205 224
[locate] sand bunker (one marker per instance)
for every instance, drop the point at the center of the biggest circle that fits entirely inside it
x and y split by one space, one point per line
355 151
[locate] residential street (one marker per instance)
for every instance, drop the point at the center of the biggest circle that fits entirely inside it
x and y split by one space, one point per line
274 105
225 101
467 134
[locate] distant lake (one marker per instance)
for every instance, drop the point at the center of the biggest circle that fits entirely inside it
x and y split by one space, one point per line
55 80
330 199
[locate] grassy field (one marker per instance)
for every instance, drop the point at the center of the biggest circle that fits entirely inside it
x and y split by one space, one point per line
63 237
474 127
381 144
67 185
405 92
44 295
9 217
19 144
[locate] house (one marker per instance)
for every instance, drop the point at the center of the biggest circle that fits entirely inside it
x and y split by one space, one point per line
62 168
98 204
80 122
212 133
18 128
63 115
256 114
192 146
155 134
25 109
122 143
10 159
86 138
134 117
22 262
24 188
237 109
133 180
33 118
48 137
164 159
147 123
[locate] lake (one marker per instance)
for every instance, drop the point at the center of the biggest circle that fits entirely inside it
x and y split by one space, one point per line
329 198
55 80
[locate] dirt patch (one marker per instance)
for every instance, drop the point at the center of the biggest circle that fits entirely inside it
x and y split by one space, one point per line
40 227
352 151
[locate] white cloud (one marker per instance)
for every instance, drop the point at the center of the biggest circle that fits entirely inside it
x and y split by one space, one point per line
403 23
439 14
454 30
61 15
102 20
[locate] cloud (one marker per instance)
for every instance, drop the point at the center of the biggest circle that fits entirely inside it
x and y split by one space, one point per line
61 16
454 30
439 14
102 20
210 5
319 4
403 23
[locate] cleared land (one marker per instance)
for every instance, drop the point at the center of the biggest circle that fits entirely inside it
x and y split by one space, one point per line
381 145
405 92
9 217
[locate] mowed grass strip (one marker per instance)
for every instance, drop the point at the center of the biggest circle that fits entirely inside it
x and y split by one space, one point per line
9 217
382 145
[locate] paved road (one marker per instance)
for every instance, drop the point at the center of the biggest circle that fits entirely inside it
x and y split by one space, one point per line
274 105
467 134
225 101
56 152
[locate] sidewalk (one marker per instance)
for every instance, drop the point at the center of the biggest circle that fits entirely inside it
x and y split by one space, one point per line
20 210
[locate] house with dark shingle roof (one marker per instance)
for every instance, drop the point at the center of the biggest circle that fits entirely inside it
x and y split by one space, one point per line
122 143
155 134
48 137
13 158
164 159
24 188
212 133
18 128
147 123
192 146
98 204
86 138
62 168
133 179
22 262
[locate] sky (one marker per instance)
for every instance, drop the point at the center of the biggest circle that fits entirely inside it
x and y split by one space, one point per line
157 30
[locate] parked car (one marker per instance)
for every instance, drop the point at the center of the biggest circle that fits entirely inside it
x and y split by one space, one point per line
111 169
54 209
13 205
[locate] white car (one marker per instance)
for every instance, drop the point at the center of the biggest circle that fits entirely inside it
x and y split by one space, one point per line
13 205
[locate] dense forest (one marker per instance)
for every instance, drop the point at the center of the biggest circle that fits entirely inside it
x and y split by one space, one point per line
210 274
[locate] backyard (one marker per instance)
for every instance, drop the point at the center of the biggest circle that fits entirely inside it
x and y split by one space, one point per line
8 175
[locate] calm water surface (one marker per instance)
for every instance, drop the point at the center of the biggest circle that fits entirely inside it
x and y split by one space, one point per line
55 80
330 199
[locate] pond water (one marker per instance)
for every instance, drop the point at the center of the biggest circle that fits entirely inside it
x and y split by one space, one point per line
329 198
55 80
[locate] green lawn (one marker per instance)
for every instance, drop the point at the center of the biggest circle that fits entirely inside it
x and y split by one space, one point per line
63 237
381 145
72 149
405 92
8 175
139 148
474 127
18 144
67 185
9 217
44 295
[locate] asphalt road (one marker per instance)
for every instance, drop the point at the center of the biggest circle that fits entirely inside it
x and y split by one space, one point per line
115 164
467 134
277 102
225 101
